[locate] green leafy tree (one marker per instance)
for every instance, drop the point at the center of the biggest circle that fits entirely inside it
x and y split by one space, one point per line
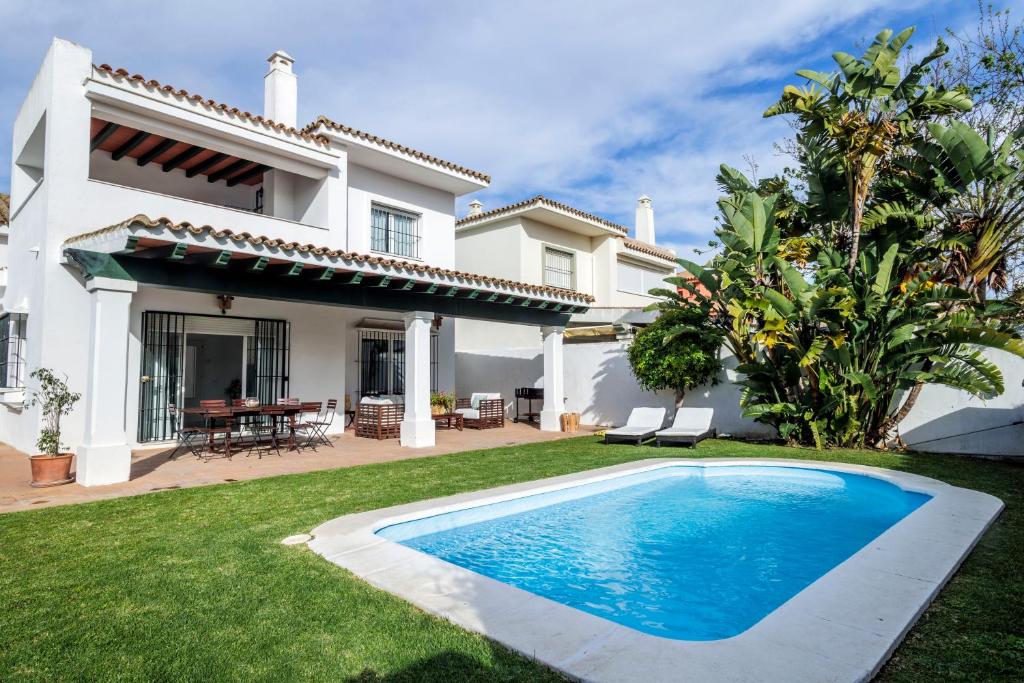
678 351
840 296
56 400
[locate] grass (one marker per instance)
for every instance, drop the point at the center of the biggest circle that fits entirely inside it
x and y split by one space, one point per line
193 584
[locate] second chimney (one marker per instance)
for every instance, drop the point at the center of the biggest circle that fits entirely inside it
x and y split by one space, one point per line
281 90
645 220
476 207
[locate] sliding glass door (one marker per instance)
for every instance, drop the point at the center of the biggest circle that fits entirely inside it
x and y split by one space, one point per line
177 368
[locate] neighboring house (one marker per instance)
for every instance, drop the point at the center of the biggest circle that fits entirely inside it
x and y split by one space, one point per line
548 243
166 248
5 219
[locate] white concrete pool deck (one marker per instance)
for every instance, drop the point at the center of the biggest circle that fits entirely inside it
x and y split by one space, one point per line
842 627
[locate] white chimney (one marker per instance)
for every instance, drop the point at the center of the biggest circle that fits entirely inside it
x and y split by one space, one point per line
645 220
281 90
476 207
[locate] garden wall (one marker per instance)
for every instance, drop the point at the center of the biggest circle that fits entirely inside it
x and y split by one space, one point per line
600 386
945 420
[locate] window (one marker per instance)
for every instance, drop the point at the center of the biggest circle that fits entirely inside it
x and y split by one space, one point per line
636 280
382 362
558 268
394 232
12 350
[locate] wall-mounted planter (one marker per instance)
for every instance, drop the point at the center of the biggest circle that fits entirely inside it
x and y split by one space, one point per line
51 470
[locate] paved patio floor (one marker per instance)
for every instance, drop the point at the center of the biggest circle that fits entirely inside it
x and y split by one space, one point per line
153 471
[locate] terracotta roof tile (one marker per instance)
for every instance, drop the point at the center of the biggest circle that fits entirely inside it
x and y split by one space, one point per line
313 250
541 200
151 84
394 146
649 249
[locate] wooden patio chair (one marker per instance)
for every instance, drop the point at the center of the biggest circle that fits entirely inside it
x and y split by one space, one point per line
482 411
214 403
265 431
379 420
212 430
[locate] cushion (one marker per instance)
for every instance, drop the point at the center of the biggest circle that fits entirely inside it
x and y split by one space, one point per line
681 431
474 400
696 420
469 413
651 418
630 431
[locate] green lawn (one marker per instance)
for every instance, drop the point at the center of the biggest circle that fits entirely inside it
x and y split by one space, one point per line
193 585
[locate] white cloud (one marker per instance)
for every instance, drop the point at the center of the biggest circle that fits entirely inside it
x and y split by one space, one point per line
593 102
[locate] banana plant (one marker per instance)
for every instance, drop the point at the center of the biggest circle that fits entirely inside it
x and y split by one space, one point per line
977 185
861 117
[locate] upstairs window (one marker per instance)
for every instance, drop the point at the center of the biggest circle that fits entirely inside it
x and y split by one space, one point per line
559 268
636 280
12 350
394 232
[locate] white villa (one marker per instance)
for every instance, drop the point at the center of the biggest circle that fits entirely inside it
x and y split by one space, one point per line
165 247
547 243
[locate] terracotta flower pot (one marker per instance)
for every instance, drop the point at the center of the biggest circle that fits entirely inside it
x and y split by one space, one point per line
437 410
51 470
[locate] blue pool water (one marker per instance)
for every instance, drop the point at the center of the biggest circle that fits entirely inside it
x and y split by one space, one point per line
690 553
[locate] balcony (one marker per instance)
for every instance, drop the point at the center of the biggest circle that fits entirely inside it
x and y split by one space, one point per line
135 171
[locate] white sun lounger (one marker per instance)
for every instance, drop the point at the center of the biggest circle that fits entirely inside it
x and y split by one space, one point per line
689 426
641 425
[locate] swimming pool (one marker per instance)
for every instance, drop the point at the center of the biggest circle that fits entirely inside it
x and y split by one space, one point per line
679 570
683 552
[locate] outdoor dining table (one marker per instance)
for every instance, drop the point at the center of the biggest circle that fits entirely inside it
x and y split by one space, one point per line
230 413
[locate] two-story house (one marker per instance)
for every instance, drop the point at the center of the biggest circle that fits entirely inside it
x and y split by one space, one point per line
166 248
550 244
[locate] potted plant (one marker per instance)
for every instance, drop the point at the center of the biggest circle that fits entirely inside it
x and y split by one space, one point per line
51 467
441 403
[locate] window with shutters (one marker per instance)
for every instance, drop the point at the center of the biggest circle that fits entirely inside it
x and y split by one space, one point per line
636 280
559 268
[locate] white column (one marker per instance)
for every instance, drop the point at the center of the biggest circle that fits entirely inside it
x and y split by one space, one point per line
104 456
417 429
554 380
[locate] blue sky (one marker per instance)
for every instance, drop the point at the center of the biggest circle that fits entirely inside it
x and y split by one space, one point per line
592 103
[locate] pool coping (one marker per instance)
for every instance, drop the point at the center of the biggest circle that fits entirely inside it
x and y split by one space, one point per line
842 627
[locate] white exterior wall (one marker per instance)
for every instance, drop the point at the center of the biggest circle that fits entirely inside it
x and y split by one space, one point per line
942 417
436 209
314 190
126 172
536 236
42 217
599 385
513 248
318 363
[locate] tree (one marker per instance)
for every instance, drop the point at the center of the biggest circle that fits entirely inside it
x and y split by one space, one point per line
988 65
56 400
839 294
678 351
860 118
